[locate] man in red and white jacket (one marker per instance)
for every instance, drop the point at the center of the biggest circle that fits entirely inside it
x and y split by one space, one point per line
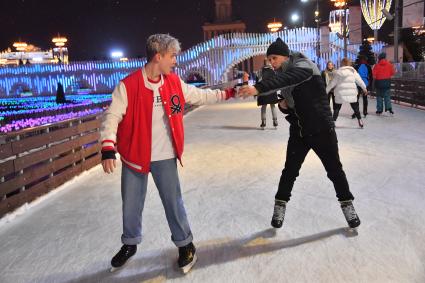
144 124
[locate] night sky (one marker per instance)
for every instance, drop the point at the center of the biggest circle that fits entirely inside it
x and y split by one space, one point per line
96 27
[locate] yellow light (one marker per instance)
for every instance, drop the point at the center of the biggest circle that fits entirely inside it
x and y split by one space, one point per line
274 26
370 39
59 41
20 46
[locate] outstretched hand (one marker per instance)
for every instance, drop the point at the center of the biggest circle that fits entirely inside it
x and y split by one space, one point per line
247 91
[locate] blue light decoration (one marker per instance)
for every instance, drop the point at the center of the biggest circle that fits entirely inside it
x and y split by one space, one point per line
212 59
20 113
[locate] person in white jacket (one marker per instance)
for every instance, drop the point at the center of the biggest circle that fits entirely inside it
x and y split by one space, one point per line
344 84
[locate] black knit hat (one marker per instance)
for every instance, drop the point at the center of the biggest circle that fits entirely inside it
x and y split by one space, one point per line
278 48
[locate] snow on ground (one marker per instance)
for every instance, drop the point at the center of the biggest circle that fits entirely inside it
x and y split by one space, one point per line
230 175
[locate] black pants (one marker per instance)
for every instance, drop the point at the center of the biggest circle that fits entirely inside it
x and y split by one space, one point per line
354 106
365 102
325 145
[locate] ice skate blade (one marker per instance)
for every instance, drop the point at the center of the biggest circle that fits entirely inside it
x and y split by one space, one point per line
351 232
115 269
187 268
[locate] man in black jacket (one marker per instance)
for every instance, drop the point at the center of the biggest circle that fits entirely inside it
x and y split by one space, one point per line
305 102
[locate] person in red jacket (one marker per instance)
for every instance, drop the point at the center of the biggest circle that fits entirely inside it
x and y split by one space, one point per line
382 73
144 124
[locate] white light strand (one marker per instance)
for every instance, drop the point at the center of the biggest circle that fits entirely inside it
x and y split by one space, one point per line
372 12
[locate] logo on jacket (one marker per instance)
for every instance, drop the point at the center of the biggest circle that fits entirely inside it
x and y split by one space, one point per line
176 108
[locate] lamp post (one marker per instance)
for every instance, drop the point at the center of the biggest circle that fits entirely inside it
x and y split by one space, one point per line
21 47
317 20
274 26
343 4
59 42
396 12
295 17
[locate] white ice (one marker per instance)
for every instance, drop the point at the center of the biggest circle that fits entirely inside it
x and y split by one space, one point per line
230 175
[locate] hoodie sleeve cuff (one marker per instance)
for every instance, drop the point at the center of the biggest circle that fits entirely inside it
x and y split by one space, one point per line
108 154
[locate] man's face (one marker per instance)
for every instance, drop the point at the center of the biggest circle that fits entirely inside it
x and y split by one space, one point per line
167 62
277 60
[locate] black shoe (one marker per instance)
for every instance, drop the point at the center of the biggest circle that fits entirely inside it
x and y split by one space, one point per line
365 114
350 214
378 112
123 255
278 213
353 115
187 257
391 111
263 124
360 123
275 123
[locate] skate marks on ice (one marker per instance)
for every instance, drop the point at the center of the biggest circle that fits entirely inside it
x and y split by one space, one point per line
162 266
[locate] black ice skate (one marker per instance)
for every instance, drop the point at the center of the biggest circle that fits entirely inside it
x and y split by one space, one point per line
187 257
275 123
263 124
122 257
350 214
361 125
278 213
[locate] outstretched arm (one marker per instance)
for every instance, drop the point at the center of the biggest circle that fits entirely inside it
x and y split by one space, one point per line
289 78
198 96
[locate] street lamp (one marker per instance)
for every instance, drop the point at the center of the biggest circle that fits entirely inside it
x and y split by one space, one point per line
20 46
59 42
343 4
295 17
274 26
117 54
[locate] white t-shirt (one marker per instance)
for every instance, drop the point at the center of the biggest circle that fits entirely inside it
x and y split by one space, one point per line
162 146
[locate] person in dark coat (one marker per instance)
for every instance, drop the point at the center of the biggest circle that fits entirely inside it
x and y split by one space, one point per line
304 101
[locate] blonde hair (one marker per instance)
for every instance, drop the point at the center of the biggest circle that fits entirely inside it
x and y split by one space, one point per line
161 43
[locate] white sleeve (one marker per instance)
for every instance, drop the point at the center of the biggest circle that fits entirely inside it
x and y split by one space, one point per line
197 96
359 81
113 116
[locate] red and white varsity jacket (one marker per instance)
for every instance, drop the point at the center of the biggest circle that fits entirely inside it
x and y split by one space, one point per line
127 124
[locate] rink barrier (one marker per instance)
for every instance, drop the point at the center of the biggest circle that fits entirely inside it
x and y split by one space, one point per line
37 160
408 92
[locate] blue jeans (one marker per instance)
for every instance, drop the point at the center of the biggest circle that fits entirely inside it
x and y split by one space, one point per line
133 192
383 95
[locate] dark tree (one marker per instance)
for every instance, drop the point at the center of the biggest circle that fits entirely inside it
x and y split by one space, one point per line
366 50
